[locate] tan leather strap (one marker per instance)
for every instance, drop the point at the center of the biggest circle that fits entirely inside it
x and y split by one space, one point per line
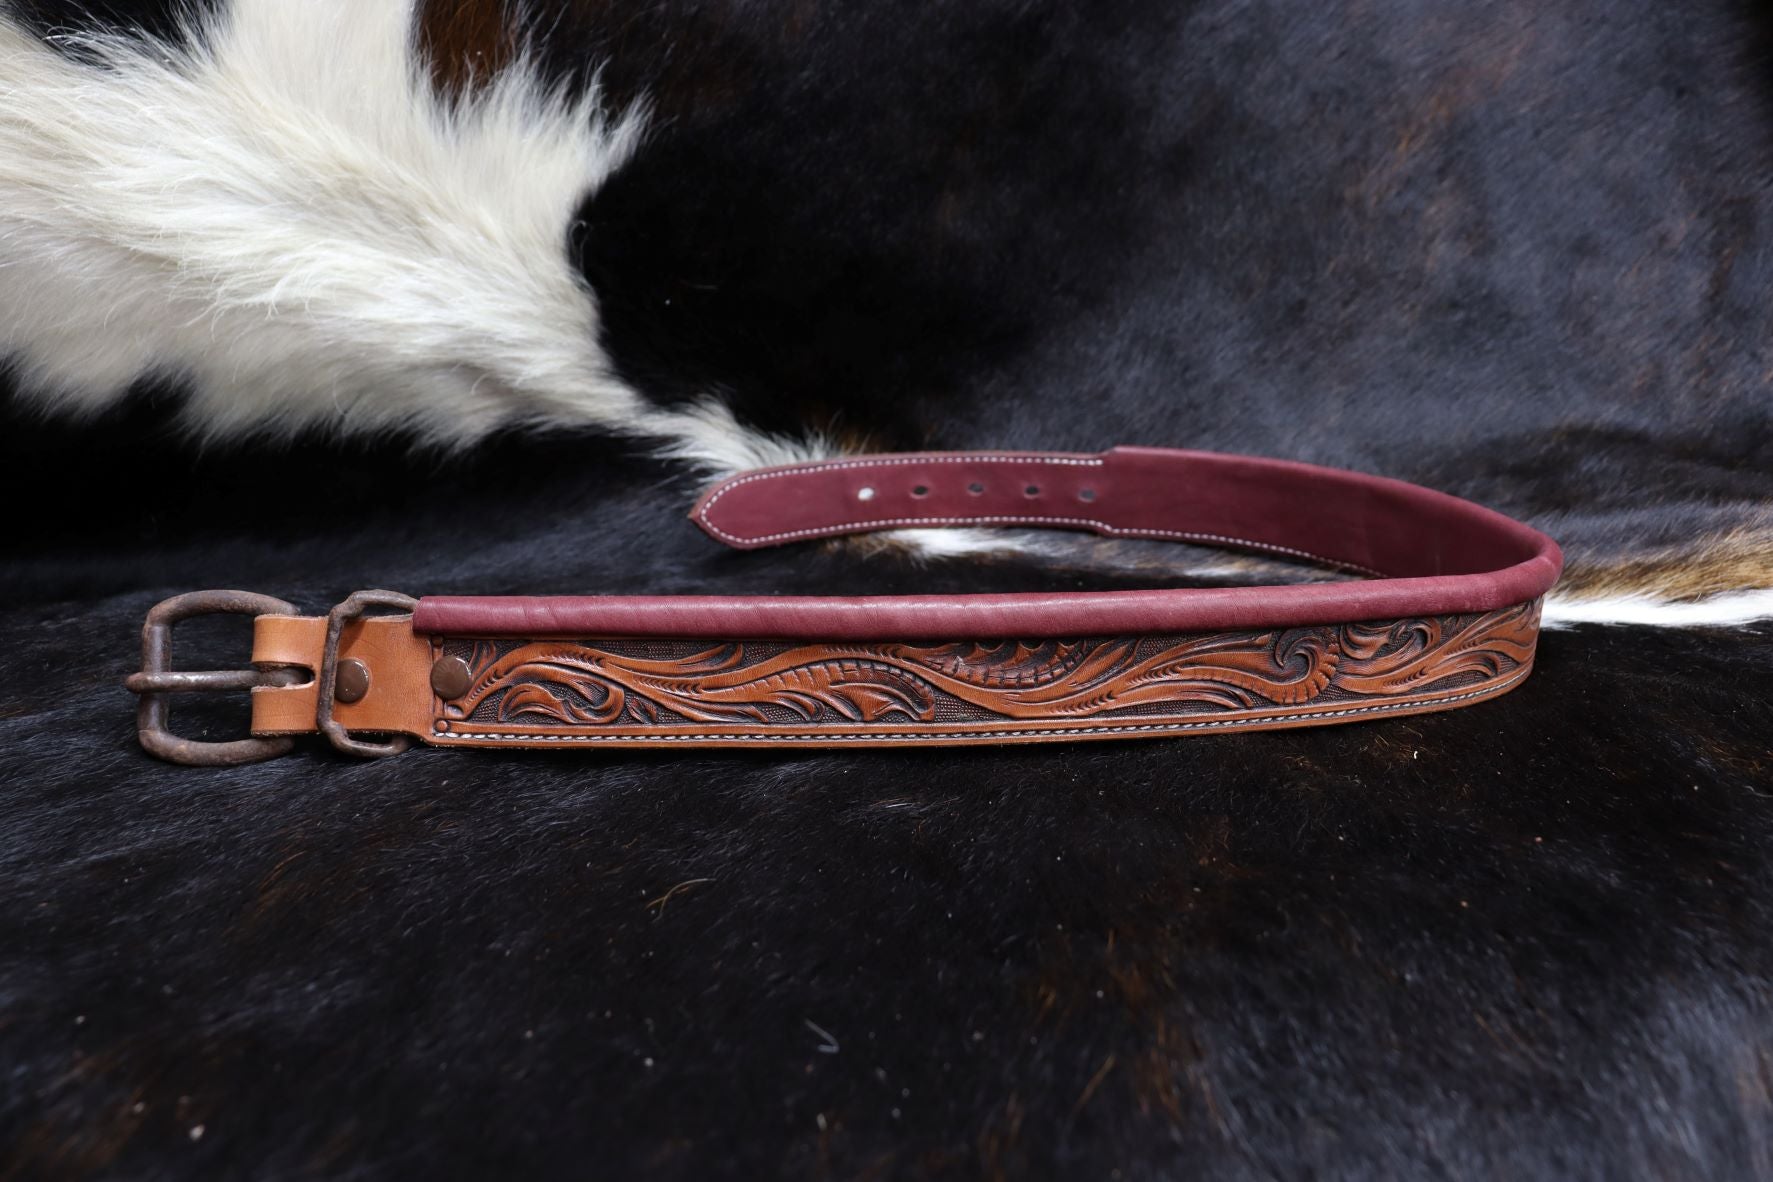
1451 617
398 661
678 692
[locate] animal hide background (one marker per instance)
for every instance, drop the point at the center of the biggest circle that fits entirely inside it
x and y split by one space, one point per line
303 296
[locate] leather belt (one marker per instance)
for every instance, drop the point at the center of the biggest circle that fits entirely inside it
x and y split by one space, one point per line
1447 616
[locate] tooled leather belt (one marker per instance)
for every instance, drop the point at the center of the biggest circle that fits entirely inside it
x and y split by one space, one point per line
1448 616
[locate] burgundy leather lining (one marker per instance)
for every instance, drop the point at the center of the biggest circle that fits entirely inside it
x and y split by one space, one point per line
1434 553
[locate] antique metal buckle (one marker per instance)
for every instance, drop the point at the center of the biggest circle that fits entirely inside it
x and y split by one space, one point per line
157 680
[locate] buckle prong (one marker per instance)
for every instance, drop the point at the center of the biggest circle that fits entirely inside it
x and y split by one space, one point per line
211 680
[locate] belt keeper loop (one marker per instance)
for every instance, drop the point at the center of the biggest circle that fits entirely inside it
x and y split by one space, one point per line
352 609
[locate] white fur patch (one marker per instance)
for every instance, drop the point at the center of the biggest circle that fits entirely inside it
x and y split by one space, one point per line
287 218
1732 610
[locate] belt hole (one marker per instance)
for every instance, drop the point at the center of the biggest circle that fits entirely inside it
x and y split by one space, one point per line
1032 490
1086 494
922 490
976 489
864 494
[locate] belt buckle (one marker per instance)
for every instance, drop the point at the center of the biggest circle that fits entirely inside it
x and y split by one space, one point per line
158 681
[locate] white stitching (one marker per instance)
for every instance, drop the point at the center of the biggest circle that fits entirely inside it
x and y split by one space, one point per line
1117 531
924 736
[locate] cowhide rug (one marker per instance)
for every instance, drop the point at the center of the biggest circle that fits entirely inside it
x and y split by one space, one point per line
302 296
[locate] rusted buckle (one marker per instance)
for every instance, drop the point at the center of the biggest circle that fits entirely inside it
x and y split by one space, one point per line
157 680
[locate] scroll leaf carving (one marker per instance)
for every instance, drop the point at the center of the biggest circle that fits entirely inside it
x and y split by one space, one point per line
711 685
661 683
1410 655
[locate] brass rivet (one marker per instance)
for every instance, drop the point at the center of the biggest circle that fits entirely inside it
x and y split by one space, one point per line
352 684
451 678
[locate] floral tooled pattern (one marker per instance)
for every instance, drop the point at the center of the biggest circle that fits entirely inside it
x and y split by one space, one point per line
594 684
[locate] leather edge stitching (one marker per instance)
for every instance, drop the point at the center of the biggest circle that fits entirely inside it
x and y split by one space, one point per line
1494 687
704 511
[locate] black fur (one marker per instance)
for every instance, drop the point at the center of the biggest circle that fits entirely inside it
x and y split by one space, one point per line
1523 940
172 21
1518 251
1374 234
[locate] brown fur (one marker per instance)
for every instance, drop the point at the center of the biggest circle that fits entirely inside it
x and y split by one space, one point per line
466 42
1708 565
